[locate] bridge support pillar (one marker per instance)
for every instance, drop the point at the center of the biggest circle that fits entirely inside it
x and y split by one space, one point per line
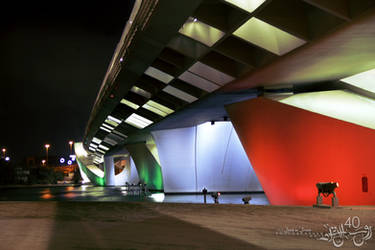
109 171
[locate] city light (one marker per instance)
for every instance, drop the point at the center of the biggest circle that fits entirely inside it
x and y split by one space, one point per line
73 157
47 146
7 158
70 146
4 151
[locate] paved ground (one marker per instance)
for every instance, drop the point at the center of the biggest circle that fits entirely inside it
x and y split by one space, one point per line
142 225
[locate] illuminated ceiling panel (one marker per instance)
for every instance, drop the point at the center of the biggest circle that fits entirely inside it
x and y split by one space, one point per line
180 94
93 145
96 140
107 126
105 129
268 37
201 32
112 121
129 103
101 151
339 104
103 147
138 121
141 92
157 108
198 81
115 124
364 80
158 74
210 73
248 5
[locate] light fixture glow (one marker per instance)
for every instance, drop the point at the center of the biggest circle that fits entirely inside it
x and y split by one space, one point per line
79 149
62 160
114 124
364 80
114 119
105 129
248 5
96 140
93 145
130 104
157 108
69 162
338 104
103 147
7 158
268 37
141 92
201 32
107 126
138 121
159 197
100 151
158 74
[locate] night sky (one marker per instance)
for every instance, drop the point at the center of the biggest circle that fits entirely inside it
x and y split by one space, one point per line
53 60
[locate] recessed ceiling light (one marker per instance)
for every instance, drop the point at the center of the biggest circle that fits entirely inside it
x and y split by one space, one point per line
159 75
268 37
364 80
138 121
248 5
201 32
129 103
157 108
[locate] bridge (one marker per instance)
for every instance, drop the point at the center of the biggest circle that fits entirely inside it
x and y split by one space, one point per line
233 96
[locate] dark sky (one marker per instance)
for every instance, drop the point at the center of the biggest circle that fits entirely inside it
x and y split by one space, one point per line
53 60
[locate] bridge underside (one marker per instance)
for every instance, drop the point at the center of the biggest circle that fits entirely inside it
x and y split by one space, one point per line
269 95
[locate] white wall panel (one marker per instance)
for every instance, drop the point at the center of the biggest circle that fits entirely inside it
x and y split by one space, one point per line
176 154
216 160
133 173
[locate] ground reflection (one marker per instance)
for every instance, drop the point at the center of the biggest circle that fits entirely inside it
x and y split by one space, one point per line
94 193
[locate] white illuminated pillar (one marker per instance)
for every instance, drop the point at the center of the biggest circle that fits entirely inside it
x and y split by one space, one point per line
109 171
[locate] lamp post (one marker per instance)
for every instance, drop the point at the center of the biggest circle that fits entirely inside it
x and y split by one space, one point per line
47 147
4 150
70 145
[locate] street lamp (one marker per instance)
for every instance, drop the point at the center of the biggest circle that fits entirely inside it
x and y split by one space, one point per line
4 150
43 162
70 145
47 147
